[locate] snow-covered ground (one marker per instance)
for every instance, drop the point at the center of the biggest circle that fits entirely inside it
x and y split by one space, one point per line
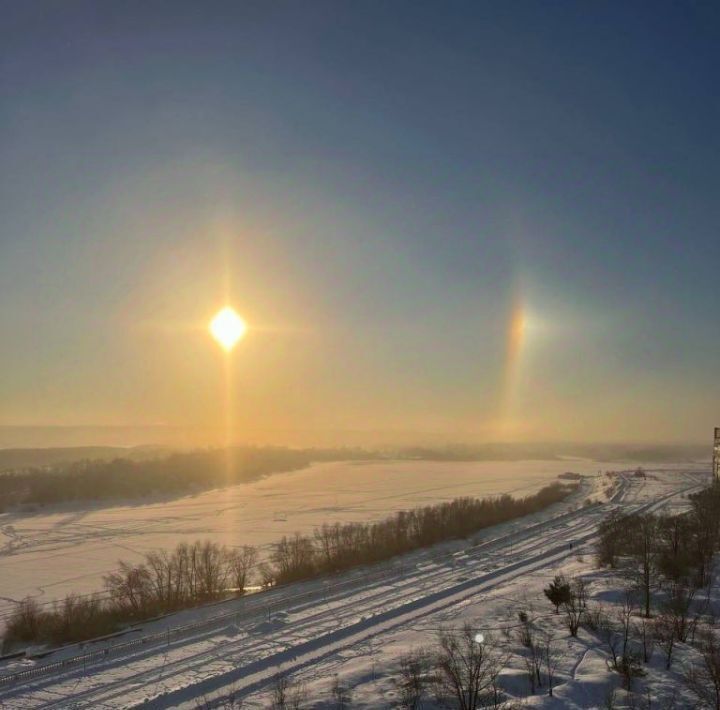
357 624
53 552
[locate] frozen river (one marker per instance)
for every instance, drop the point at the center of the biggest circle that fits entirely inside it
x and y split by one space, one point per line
57 551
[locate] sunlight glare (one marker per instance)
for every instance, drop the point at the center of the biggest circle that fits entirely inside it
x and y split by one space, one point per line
227 327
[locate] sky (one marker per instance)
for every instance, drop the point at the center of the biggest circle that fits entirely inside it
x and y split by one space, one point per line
461 221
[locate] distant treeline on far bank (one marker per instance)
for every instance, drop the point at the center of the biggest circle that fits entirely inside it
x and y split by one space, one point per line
111 474
174 474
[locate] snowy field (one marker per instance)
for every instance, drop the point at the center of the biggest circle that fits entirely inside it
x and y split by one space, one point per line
49 554
356 625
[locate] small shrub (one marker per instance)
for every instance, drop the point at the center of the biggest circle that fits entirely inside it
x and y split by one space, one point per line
558 592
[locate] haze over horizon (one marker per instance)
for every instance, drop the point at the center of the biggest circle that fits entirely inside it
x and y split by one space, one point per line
459 221
182 438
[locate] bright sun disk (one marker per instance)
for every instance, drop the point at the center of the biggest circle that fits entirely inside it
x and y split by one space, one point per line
227 327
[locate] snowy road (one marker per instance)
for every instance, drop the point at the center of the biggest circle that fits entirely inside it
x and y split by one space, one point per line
242 644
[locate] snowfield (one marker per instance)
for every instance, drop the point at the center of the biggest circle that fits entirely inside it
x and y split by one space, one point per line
356 625
66 549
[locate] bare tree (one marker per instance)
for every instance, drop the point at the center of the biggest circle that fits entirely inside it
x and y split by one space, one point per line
210 569
702 610
634 541
611 639
611 700
532 656
240 565
279 692
129 588
573 609
533 662
298 696
413 680
675 532
645 551
550 657
630 666
26 623
678 607
466 670
624 616
644 632
266 574
580 590
665 636
287 694
294 558
593 617
341 693
525 629
611 540
706 515
160 576
703 679
327 538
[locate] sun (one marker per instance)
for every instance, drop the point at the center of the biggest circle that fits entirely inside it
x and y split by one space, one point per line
227 327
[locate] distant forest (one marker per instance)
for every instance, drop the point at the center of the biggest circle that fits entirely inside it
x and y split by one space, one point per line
14 460
175 474
635 453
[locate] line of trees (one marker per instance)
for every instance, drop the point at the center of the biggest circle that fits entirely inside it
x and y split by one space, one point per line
337 547
163 582
189 575
167 581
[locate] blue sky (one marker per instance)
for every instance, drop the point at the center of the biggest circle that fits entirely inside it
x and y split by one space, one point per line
380 186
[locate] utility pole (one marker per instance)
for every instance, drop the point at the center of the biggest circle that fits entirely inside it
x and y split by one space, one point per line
716 456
